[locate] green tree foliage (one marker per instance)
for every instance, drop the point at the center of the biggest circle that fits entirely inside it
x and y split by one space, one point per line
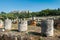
46 12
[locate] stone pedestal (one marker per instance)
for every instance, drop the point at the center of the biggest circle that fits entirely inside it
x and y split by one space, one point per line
47 27
22 25
1 24
7 24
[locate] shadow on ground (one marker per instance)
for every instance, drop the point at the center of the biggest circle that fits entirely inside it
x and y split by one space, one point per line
37 34
15 30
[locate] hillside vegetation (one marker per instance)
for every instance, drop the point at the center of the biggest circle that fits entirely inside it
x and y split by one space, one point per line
46 12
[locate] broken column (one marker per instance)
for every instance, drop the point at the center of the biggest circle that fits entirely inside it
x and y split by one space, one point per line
33 18
7 24
47 27
1 26
22 25
1 23
33 21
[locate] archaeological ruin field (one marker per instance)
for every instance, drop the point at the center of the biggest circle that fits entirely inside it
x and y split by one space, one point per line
33 32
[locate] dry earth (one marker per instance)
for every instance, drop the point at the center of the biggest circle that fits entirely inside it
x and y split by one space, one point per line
33 33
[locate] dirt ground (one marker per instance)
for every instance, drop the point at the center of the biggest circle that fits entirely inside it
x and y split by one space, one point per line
33 33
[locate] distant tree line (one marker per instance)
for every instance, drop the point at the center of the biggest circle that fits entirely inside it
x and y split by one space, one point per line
46 12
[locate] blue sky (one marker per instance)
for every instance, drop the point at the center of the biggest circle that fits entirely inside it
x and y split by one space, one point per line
32 5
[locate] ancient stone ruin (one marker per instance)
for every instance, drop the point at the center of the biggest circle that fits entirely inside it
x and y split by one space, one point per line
47 27
7 24
1 23
22 25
